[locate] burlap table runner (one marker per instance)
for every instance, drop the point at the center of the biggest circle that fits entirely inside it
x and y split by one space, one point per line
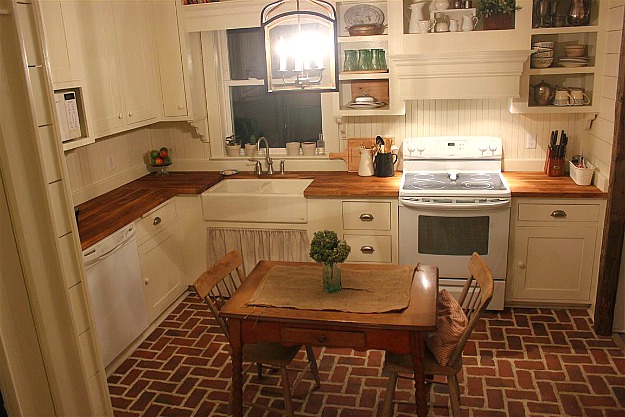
370 291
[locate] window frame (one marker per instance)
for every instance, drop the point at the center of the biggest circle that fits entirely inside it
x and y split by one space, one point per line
219 103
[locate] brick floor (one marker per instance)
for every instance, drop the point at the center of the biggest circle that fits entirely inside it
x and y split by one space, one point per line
520 362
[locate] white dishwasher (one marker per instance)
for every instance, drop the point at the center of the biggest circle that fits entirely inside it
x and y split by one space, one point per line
116 291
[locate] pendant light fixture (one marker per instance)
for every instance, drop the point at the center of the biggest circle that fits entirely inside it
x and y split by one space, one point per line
300 45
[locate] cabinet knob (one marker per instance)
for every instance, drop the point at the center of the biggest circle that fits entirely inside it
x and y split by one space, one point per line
157 221
146 281
129 113
180 106
558 214
367 249
521 265
366 217
322 339
120 116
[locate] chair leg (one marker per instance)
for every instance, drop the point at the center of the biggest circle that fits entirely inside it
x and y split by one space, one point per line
387 411
454 395
259 370
286 385
312 361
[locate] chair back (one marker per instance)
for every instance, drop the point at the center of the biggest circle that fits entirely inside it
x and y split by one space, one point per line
218 283
476 294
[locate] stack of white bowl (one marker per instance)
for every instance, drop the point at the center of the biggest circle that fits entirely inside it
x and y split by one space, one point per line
542 54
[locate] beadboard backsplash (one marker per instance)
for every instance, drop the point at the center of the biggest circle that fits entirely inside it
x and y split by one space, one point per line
92 173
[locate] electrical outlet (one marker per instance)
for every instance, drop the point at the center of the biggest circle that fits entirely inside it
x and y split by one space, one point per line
111 162
531 141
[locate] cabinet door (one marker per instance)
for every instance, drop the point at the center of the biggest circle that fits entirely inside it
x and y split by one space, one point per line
96 27
160 268
62 40
170 64
137 68
553 263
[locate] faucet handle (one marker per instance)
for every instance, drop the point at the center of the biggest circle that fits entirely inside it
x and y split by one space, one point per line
258 168
282 166
270 165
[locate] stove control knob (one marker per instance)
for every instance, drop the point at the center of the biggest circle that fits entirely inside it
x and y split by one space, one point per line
483 148
493 147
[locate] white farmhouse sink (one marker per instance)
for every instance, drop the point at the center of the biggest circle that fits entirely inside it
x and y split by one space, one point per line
257 201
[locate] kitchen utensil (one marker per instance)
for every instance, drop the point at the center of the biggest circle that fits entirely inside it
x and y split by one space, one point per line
366 29
416 14
543 94
469 23
541 62
579 12
575 51
351 153
362 14
384 164
561 97
425 26
365 168
579 97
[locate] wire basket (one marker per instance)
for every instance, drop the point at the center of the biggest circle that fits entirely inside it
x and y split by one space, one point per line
581 176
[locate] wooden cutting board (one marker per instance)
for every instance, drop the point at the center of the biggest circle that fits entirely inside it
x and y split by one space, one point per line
351 154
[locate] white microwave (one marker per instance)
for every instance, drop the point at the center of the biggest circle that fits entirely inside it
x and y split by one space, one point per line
67 113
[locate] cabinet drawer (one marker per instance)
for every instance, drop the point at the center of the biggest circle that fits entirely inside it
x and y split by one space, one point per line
327 338
156 220
366 248
365 215
558 212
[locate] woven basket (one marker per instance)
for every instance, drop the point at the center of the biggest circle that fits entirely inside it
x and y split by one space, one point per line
581 176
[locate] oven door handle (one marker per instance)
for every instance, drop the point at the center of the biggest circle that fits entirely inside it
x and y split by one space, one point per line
458 206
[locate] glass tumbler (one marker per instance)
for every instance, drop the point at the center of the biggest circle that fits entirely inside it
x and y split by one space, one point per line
365 60
378 59
351 60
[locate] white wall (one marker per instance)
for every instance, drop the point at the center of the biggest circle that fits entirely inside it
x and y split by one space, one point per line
597 143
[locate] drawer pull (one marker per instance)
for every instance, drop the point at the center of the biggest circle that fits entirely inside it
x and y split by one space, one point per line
322 339
522 265
367 249
366 217
157 221
558 214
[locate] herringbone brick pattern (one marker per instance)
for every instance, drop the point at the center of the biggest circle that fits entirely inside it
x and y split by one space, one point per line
520 362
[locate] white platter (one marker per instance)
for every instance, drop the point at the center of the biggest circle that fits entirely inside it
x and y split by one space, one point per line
373 105
570 64
363 14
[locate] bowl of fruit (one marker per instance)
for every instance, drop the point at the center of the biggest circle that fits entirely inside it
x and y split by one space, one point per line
159 158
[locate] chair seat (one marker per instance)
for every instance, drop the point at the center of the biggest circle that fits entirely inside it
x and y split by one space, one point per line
402 364
274 354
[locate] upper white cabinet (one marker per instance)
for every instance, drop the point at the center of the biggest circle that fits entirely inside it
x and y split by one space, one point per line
171 64
120 64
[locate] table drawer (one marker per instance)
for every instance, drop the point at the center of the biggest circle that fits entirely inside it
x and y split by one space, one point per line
329 338
156 220
558 212
366 215
368 248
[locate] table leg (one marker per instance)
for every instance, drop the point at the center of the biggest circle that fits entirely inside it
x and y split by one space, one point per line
418 353
237 367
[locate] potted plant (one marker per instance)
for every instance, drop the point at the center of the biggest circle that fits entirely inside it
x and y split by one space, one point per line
497 14
327 249
251 146
233 145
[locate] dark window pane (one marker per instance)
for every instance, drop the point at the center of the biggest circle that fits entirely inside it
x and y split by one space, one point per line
246 48
281 118
453 235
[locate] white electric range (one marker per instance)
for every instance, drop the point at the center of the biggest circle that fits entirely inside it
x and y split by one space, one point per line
454 201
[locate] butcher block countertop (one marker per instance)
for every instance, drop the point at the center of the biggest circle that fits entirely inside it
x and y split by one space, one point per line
109 212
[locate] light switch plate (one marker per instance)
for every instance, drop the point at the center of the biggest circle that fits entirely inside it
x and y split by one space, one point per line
111 162
530 141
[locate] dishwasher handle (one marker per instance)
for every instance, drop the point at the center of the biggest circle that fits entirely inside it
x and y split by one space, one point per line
109 245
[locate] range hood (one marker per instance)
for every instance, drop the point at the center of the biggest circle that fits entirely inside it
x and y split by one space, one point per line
459 75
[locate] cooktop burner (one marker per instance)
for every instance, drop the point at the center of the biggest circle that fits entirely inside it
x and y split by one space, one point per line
464 181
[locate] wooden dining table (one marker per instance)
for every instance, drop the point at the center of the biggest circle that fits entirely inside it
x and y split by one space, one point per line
400 332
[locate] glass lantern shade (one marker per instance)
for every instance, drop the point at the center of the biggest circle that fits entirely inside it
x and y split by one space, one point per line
300 47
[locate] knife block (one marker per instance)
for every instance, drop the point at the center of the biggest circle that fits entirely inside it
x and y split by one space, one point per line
554 167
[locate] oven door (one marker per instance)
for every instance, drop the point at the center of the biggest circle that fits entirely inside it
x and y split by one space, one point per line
445 232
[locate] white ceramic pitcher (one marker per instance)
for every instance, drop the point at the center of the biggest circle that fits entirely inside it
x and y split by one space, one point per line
469 23
416 14
365 169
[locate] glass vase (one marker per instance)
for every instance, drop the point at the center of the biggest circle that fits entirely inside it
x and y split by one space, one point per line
331 278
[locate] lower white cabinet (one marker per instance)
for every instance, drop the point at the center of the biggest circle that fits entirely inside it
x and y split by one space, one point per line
369 226
159 256
554 250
